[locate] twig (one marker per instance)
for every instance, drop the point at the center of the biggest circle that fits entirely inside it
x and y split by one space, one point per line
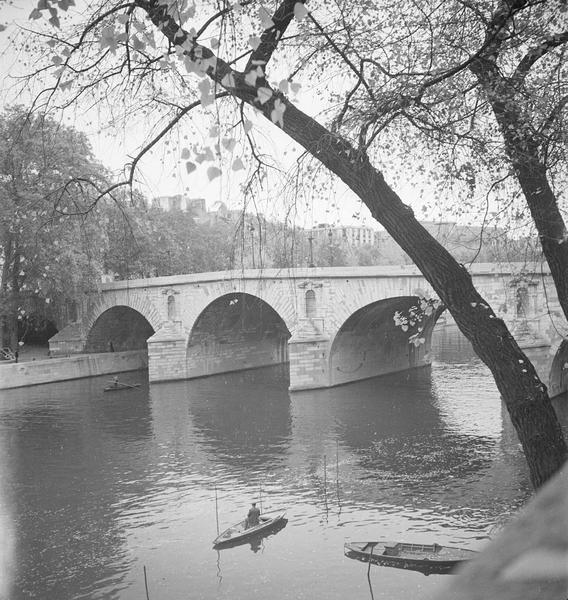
146 584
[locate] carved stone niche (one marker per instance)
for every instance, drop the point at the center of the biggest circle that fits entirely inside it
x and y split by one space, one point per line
170 293
525 296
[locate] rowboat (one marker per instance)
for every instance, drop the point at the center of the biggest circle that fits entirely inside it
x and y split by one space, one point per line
115 386
425 558
239 533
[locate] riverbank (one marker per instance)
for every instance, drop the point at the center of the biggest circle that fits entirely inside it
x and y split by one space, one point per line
49 370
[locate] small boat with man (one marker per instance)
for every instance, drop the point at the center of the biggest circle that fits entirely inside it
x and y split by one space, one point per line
426 558
116 385
254 525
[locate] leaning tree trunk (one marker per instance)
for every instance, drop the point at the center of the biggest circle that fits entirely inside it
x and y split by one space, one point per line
524 394
549 223
523 149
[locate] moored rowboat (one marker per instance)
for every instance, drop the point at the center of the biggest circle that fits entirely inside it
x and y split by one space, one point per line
426 558
239 532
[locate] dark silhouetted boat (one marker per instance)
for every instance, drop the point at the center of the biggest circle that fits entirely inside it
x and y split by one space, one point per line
426 558
238 534
118 385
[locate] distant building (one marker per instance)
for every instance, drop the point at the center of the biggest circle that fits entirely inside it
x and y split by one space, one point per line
462 241
350 234
220 212
181 202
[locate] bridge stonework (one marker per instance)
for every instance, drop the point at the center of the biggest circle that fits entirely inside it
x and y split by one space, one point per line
333 325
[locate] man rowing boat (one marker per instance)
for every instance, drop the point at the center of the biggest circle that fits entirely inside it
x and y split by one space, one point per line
253 517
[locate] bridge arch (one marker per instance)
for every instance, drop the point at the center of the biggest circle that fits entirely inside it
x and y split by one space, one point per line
370 343
137 302
120 322
118 329
236 331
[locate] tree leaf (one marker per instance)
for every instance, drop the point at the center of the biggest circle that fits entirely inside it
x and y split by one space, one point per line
253 41
229 144
265 18
206 97
213 172
300 11
264 94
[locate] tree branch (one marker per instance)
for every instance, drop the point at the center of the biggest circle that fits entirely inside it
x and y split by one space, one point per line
536 53
345 58
549 122
270 38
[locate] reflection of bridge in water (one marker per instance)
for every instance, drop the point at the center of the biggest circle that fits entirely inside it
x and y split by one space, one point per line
333 325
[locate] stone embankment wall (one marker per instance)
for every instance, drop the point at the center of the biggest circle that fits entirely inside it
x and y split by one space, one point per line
35 372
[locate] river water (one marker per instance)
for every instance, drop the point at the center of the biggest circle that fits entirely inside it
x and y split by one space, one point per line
103 494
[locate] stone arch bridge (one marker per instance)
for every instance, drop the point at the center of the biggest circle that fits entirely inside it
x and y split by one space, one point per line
333 325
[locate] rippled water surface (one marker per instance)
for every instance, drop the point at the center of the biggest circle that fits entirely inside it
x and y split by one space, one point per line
94 487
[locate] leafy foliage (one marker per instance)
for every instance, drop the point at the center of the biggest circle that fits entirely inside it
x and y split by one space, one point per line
48 246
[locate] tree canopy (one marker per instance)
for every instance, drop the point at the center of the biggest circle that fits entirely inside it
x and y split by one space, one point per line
48 248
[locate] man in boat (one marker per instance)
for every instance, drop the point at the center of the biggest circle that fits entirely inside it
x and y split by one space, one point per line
253 517
115 382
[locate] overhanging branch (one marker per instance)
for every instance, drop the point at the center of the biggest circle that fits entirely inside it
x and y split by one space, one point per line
536 53
270 38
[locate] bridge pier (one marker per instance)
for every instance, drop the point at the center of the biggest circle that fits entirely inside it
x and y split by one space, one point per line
70 340
308 351
167 353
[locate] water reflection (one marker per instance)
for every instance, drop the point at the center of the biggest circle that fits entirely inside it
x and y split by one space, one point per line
62 460
95 488
244 430
399 440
